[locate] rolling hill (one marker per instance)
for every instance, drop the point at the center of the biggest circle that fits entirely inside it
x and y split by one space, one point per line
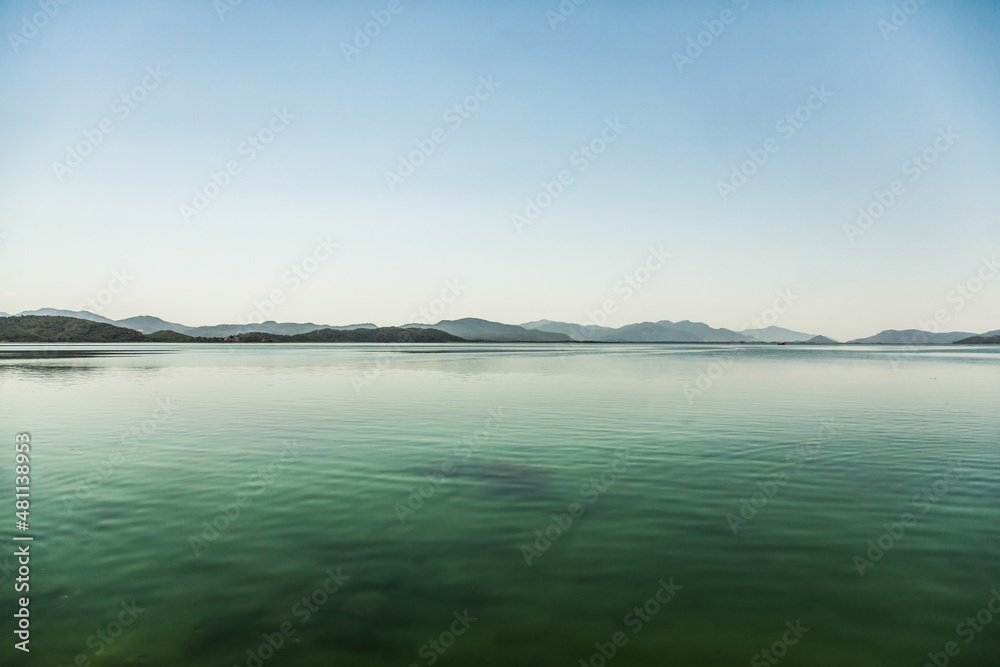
57 329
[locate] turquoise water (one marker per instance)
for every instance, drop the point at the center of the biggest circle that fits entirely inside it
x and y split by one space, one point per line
410 482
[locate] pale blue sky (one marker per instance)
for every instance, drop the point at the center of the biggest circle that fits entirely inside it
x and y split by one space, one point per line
656 184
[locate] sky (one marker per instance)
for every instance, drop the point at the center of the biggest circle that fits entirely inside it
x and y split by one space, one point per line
828 167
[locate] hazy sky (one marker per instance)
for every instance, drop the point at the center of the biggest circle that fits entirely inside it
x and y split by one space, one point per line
115 116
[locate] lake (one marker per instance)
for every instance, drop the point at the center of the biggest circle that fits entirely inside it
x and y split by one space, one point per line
510 504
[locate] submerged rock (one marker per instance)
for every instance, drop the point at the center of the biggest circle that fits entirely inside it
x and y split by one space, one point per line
516 479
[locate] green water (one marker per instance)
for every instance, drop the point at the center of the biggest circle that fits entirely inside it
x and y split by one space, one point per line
325 446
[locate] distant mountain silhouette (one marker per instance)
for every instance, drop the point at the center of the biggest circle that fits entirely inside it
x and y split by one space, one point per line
78 314
912 337
777 335
663 331
271 327
471 328
979 340
149 324
577 332
666 331
538 331
59 329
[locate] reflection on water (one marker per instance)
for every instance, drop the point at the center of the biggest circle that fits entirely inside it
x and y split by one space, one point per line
43 370
36 361
81 353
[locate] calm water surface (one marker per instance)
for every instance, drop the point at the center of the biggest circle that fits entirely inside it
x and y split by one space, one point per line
539 493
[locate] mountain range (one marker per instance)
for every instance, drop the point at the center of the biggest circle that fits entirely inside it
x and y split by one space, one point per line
917 337
471 328
474 329
58 329
148 324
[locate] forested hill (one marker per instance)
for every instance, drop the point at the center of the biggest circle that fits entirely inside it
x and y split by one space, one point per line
52 329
